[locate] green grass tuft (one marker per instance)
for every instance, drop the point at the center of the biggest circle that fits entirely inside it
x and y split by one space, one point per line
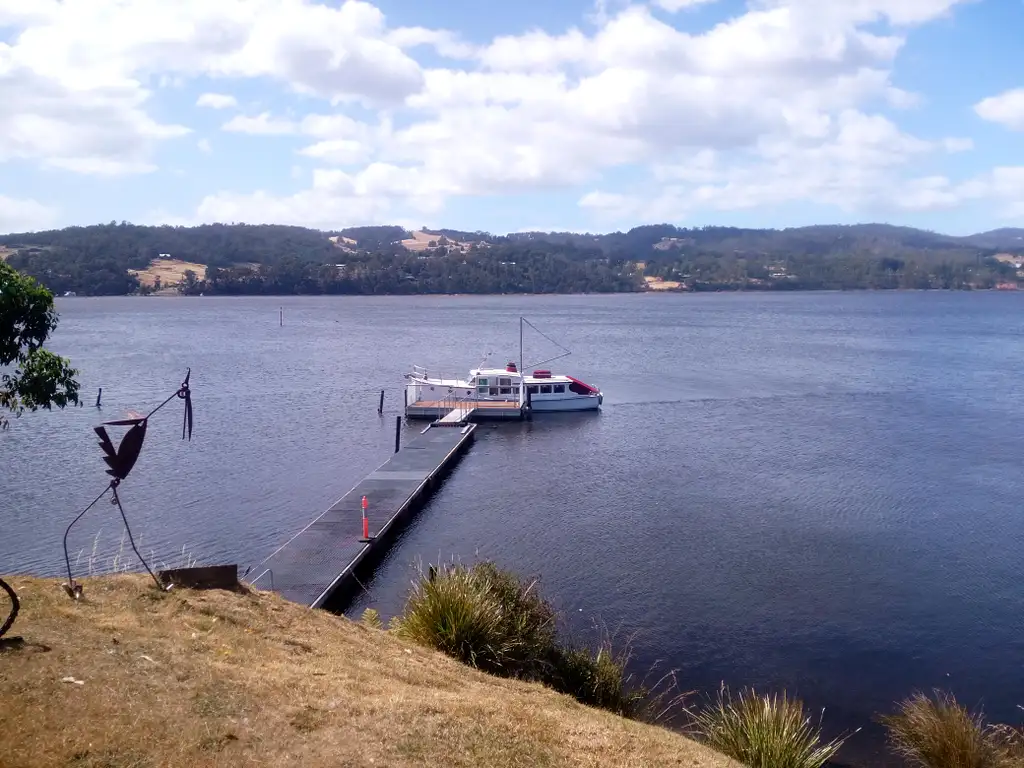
371 619
937 732
763 731
455 614
597 679
491 619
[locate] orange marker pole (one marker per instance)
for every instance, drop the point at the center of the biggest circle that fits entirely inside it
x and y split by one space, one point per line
366 520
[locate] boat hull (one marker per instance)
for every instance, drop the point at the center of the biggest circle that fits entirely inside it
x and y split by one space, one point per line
566 405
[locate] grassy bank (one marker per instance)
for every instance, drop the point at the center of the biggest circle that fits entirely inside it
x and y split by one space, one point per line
130 677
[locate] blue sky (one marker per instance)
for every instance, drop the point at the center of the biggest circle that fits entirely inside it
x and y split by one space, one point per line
503 117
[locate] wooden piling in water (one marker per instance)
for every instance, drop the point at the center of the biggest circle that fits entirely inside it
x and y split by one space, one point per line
398 433
99 397
380 405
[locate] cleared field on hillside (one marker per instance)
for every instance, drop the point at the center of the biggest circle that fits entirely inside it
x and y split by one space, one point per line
420 241
657 284
170 271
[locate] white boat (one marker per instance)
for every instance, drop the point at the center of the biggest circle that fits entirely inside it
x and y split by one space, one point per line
511 387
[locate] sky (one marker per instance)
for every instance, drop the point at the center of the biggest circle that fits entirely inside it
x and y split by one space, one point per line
593 115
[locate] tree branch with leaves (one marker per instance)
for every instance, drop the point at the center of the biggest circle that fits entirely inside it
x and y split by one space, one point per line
33 377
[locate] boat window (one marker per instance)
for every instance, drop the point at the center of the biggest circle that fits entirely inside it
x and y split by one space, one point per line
481 390
504 382
506 390
559 389
482 382
533 389
493 391
545 389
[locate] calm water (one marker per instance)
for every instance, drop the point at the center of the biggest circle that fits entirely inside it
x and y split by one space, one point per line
817 491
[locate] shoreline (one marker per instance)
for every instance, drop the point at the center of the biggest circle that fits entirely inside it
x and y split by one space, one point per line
765 291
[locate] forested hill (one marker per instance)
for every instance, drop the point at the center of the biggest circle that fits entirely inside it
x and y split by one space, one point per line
112 259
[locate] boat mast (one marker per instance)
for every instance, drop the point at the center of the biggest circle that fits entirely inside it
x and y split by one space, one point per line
522 371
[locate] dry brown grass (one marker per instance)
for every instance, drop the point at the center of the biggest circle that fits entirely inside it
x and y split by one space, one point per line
938 732
222 679
170 271
659 284
420 241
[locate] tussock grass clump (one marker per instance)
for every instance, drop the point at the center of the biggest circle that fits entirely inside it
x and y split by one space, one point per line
455 613
938 732
491 619
527 619
1013 739
598 679
371 619
763 731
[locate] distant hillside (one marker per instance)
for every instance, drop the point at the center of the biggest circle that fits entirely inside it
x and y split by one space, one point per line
1004 239
823 240
238 258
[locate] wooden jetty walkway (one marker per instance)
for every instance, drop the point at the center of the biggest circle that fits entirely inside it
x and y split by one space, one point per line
451 410
318 566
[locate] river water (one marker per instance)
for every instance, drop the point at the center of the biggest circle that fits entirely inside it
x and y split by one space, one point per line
813 491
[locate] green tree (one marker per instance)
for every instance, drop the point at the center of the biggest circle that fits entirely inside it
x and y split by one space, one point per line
189 282
35 378
40 379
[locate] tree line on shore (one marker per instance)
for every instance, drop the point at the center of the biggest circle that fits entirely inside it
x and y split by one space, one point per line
282 260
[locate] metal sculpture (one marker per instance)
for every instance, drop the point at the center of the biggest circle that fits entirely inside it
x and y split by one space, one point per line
120 462
15 605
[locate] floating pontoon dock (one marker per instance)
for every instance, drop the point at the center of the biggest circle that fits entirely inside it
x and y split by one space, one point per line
318 566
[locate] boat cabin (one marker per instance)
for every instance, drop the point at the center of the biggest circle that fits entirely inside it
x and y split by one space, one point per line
506 383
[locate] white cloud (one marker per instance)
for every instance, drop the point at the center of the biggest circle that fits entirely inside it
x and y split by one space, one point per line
204 146
767 107
262 124
337 151
1007 109
898 12
673 6
99 126
857 163
25 215
784 101
443 41
608 202
216 101
342 140
71 77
